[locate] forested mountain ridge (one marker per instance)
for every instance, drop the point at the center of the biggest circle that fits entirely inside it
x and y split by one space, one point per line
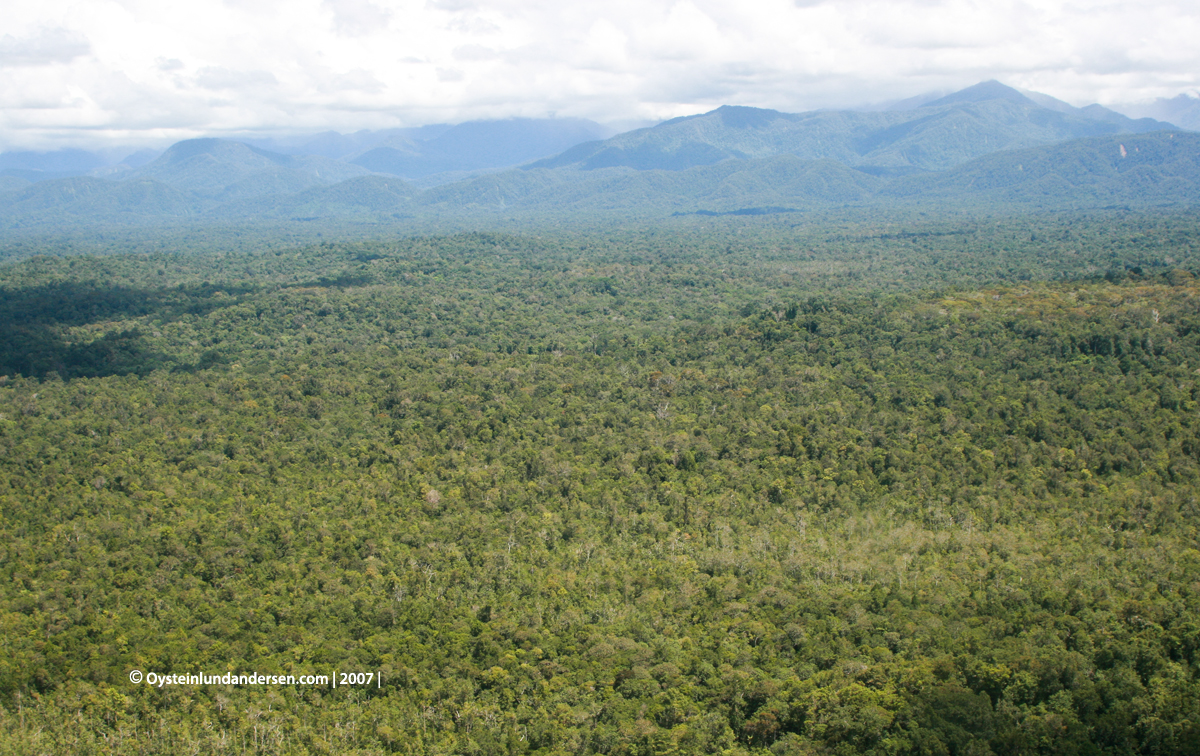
1154 168
942 154
977 121
1137 170
414 152
223 170
743 488
1157 168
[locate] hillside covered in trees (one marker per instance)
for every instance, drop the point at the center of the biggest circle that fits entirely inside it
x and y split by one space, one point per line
985 147
746 487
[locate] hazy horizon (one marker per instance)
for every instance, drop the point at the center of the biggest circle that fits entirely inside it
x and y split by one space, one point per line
125 74
286 141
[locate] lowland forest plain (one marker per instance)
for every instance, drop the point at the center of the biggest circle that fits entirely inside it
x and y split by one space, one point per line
754 478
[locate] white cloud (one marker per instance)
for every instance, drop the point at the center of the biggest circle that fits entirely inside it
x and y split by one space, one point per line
217 77
357 17
159 71
358 80
44 47
474 52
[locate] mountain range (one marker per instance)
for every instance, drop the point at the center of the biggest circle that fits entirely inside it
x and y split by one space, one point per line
1182 110
439 152
984 145
948 131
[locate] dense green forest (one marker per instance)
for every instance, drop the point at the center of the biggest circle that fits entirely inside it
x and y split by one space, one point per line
744 486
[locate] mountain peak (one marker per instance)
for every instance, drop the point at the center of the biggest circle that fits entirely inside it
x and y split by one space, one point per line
189 147
740 116
982 92
222 148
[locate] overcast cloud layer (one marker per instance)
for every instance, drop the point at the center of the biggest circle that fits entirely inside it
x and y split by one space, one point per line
147 72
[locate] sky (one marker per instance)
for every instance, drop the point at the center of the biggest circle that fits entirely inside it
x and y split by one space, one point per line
96 73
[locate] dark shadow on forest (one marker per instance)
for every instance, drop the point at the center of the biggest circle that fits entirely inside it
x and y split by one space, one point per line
33 325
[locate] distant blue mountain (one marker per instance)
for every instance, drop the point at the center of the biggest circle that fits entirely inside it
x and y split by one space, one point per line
84 200
1182 110
985 146
480 145
220 169
40 166
937 135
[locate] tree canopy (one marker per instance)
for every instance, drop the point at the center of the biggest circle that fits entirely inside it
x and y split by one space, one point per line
747 488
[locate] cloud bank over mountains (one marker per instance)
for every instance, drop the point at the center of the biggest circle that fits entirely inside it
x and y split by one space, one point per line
137 72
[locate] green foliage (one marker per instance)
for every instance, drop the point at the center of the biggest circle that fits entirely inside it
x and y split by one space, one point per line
922 489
